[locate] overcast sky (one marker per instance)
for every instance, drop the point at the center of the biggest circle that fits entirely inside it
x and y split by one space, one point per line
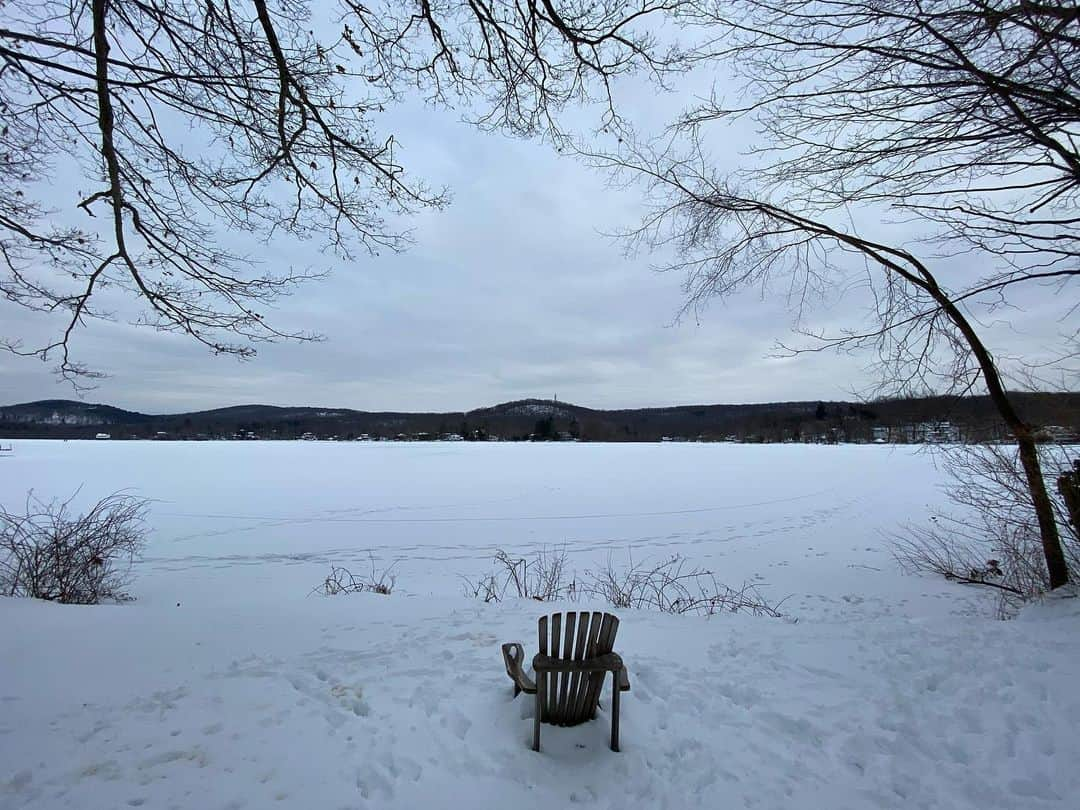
513 291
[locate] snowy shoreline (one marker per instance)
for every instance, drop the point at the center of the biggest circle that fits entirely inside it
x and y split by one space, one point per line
889 690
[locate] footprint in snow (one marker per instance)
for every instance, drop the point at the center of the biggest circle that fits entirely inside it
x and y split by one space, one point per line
458 723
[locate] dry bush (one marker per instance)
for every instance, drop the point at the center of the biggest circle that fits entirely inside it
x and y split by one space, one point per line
671 586
48 552
675 586
342 580
992 538
543 577
485 587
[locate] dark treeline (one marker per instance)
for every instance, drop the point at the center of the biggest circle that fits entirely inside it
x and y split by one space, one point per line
897 420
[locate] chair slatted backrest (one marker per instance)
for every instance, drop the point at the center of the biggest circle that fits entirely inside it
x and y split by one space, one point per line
571 697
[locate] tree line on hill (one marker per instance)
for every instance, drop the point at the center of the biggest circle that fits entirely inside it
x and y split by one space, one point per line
893 420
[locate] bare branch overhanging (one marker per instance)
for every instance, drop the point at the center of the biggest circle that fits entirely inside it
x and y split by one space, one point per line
185 119
953 123
965 112
962 116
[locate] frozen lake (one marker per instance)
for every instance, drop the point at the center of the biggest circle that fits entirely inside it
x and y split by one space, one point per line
228 685
804 520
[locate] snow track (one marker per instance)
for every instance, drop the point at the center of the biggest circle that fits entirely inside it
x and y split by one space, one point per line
371 701
226 686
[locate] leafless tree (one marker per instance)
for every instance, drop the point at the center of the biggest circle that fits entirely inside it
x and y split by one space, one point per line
183 118
925 151
991 538
519 63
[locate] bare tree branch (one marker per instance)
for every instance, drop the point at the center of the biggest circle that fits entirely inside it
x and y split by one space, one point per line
949 129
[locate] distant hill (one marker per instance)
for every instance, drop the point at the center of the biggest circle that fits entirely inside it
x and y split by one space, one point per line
898 419
64 412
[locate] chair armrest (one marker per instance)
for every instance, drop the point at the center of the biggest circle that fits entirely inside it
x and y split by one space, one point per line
513 655
624 680
611 662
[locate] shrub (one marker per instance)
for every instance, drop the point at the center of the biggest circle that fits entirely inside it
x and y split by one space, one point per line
49 552
675 586
992 537
542 577
669 586
342 580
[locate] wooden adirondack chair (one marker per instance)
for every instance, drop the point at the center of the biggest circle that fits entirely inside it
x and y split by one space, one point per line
574 659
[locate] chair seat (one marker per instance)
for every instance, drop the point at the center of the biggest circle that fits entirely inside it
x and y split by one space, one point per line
610 662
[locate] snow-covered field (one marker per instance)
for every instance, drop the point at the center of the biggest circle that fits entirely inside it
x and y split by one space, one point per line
227 685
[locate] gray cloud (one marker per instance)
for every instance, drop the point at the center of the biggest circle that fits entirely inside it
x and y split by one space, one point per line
513 291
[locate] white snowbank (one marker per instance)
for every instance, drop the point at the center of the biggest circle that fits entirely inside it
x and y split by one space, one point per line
250 693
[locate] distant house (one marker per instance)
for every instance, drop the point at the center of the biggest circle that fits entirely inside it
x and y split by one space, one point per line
1058 433
937 432
103 436
928 433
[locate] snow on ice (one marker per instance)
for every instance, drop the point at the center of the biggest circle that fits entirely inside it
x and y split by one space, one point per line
227 685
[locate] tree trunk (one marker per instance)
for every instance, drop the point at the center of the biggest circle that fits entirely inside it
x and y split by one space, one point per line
1056 567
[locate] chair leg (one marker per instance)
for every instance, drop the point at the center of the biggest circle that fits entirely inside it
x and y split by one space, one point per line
615 711
541 686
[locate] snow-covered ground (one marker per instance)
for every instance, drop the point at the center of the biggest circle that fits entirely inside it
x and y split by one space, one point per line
227 685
